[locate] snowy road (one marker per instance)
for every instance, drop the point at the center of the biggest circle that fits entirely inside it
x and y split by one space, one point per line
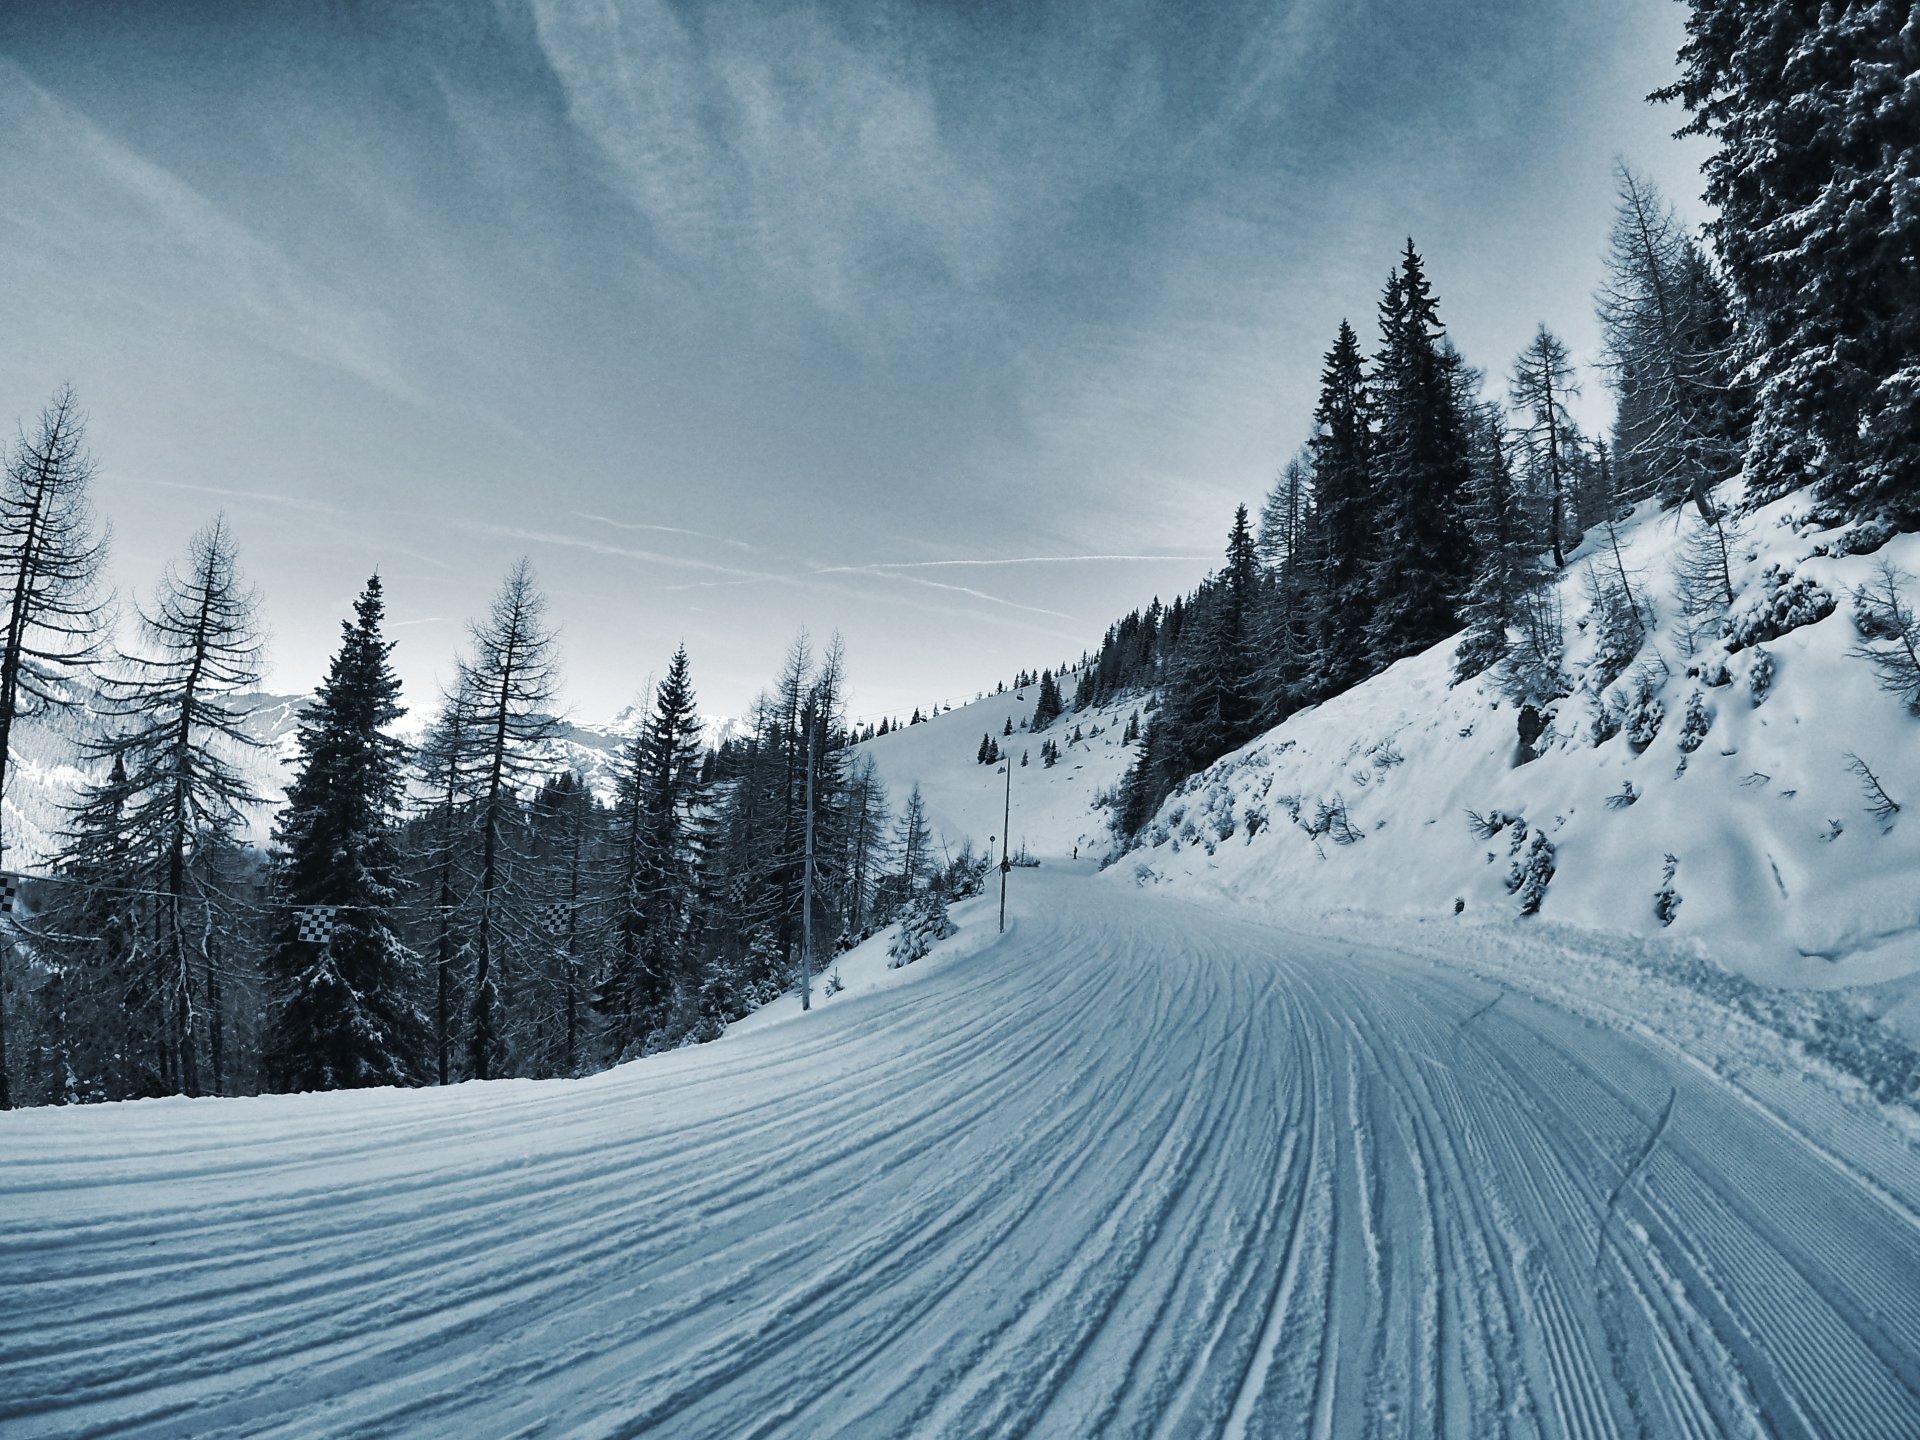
1140 1170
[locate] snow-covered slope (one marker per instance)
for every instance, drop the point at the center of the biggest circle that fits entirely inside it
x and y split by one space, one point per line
1760 834
1143 1168
1053 808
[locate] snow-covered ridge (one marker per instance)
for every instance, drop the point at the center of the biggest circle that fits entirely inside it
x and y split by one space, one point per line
1752 836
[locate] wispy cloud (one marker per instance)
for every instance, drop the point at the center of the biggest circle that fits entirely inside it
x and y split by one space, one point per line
257 497
603 547
639 525
76 189
882 566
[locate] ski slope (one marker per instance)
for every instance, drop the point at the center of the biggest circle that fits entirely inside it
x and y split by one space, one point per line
1141 1168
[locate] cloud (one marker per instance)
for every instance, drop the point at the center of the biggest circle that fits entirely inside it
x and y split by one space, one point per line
602 547
89 205
773 147
592 518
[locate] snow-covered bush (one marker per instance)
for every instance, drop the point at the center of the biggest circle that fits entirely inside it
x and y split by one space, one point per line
1786 602
1618 629
1528 880
923 924
1694 723
1760 674
1644 714
1861 539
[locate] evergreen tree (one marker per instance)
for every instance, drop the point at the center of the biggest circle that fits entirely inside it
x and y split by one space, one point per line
1422 468
50 558
1505 568
1344 493
1048 707
346 1015
655 825
1817 124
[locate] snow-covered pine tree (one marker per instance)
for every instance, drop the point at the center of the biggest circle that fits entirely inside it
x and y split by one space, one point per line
345 1012
50 558
1424 555
1817 124
181 798
506 684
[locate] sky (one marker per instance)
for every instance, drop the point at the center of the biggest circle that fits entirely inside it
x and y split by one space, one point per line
957 329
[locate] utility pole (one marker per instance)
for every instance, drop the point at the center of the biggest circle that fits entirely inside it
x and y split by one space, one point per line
1006 864
806 887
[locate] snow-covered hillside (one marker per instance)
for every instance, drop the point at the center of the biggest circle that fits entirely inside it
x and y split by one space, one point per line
1741 820
1053 807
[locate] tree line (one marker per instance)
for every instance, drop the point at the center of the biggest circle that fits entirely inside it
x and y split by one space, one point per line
460 908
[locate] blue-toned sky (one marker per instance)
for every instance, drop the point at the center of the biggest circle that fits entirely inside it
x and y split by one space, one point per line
957 328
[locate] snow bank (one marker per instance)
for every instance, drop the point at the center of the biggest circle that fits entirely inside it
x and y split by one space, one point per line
1409 796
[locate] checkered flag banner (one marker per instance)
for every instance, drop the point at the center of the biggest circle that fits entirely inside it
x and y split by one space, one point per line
9 891
554 917
313 924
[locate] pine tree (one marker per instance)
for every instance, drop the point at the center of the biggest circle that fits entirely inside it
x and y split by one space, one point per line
181 799
440 836
347 1015
1424 558
505 685
1542 384
1344 492
50 559
1505 568
1048 707
655 812
1817 124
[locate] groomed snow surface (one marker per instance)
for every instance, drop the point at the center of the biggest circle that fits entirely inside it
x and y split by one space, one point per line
1141 1168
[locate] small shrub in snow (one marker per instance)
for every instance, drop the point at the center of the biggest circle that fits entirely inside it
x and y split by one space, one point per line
1889 634
1760 674
1786 602
1882 806
834 983
1624 797
1694 724
1528 879
1666 901
923 924
1644 715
